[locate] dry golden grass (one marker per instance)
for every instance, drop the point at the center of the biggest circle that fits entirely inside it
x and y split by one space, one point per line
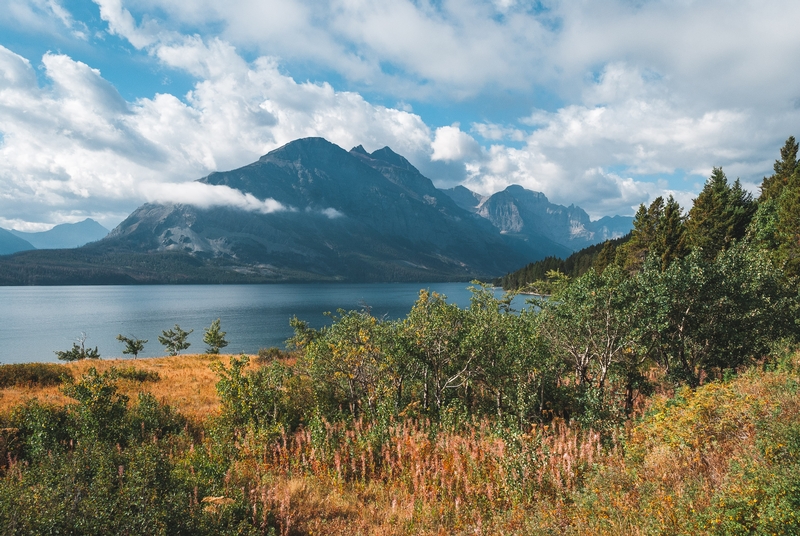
186 383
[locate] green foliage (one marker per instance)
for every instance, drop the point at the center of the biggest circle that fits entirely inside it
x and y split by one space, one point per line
573 266
174 340
785 168
788 225
214 337
32 374
99 467
78 351
590 327
42 429
720 215
266 399
658 230
99 409
345 362
433 332
96 489
134 374
703 316
132 345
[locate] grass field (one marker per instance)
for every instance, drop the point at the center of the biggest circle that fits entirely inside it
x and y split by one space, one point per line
186 383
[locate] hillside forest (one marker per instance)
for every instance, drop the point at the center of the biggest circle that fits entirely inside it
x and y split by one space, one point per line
651 392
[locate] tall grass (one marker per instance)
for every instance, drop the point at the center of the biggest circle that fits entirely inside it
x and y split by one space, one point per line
412 476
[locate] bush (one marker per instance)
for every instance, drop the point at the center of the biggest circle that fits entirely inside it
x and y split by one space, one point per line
266 355
32 374
134 374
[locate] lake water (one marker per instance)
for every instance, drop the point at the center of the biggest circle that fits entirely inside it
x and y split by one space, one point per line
36 321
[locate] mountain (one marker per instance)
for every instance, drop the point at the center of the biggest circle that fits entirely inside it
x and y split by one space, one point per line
65 235
9 243
349 216
327 215
521 213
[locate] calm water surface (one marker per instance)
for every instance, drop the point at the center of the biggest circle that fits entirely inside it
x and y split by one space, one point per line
36 321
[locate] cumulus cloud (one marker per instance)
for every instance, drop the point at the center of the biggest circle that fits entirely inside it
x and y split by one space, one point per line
640 99
403 47
610 152
77 141
452 144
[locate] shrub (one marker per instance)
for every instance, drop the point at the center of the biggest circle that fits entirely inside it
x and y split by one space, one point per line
266 355
134 374
78 351
32 374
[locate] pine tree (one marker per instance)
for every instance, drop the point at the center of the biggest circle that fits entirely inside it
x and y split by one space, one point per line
214 337
174 340
643 235
670 242
784 168
719 216
788 225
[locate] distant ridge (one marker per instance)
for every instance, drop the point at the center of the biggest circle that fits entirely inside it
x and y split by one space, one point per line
10 243
65 235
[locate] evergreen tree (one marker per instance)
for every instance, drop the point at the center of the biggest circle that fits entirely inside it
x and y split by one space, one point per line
719 216
174 340
78 351
643 235
784 168
788 225
670 242
214 337
132 344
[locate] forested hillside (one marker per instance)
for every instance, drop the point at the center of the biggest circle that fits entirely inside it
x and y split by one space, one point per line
575 265
656 393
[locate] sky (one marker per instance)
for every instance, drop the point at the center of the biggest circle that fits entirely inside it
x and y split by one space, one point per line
107 104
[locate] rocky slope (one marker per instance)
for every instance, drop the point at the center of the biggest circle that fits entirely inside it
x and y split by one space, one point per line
525 214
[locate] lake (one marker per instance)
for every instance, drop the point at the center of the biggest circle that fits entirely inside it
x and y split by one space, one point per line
36 321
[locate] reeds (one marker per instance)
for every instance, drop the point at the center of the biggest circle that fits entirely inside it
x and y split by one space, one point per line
410 475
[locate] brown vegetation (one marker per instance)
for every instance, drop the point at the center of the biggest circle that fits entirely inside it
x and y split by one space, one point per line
186 383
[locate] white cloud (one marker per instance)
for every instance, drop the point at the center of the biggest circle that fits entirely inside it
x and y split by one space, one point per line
43 16
645 90
452 144
77 141
209 195
607 153
332 213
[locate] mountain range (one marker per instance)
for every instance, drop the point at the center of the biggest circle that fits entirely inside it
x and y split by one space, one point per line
324 214
62 236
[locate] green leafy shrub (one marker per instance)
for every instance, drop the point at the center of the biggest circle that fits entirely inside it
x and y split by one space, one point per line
42 429
270 397
100 410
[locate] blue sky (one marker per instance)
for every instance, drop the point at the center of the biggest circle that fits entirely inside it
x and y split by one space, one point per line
107 104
